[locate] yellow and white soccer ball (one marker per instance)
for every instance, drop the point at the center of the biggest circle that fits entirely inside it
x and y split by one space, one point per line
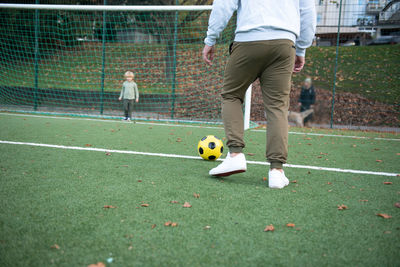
210 147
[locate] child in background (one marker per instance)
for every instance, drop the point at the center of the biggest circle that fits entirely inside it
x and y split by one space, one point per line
129 94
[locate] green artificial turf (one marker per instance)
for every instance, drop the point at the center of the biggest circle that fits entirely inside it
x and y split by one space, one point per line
52 196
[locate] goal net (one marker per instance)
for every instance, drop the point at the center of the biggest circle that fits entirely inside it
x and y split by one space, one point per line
72 60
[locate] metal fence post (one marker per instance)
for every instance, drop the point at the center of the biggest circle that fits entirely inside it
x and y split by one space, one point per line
103 58
336 64
36 61
174 62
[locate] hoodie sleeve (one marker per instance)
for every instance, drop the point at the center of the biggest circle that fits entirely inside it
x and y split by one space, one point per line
313 96
308 22
221 13
136 91
122 91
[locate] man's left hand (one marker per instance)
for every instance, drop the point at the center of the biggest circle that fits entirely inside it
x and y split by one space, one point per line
208 54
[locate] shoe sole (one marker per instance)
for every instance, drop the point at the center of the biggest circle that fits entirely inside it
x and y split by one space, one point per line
227 173
276 187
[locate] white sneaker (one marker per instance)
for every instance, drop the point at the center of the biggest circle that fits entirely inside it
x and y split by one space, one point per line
277 179
230 165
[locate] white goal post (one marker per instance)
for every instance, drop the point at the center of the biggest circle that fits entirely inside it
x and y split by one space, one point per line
105 7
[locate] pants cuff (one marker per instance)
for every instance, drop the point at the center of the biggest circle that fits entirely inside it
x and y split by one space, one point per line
235 149
276 165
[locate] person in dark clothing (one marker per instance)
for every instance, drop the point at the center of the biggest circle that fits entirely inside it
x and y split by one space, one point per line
307 98
357 41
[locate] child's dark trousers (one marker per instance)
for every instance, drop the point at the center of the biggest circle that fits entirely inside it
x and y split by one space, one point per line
128 107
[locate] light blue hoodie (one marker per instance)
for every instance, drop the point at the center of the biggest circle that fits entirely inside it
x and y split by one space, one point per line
259 20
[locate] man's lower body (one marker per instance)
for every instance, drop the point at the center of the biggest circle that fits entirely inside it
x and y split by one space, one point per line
128 108
309 117
272 62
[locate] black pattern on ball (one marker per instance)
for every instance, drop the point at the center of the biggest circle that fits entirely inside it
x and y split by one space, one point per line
211 157
222 149
201 150
204 138
211 145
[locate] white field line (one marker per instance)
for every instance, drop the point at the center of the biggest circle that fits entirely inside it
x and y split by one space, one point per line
193 126
192 157
340 136
111 120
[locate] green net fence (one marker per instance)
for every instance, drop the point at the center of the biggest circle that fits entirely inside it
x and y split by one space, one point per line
72 62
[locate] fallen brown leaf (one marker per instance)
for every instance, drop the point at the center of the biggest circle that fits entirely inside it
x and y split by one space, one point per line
196 195
397 204
168 223
378 160
108 207
398 154
207 227
187 205
153 226
108 154
294 182
88 145
290 225
55 246
387 182
139 181
342 207
384 215
363 200
329 183
174 224
269 228
264 178
145 205
99 264
174 202
179 140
